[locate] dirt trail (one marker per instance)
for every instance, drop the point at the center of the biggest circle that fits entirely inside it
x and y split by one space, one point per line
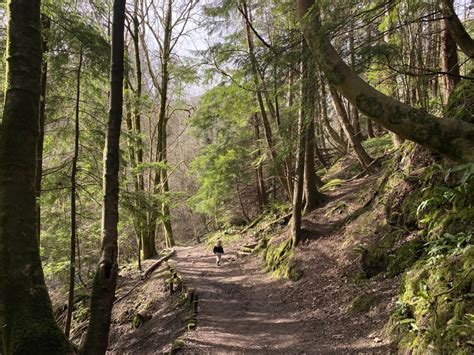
244 310
237 310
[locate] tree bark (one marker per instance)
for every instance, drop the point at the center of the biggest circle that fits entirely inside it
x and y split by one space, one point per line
105 280
295 225
72 259
46 24
448 136
138 225
449 61
261 193
390 80
456 28
311 180
27 323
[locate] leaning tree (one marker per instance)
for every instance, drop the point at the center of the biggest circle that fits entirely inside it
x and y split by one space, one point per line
449 136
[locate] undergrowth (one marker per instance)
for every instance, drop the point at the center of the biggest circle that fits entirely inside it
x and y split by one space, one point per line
435 309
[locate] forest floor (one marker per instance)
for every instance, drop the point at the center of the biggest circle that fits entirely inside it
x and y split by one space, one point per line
242 309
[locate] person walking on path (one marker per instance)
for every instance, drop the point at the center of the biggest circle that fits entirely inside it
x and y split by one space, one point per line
218 251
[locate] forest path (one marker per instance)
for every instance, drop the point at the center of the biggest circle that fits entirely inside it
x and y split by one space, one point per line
237 310
244 310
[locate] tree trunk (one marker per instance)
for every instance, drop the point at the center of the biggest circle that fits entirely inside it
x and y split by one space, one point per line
105 280
448 136
353 112
449 61
162 175
364 158
338 140
27 323
72 260
456 28
261 193
46 24
390 80
311 180
137 223
295 226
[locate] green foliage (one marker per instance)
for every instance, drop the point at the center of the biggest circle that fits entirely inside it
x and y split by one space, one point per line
223 120
436 298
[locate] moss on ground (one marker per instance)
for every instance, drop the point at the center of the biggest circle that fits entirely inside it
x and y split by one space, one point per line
379 146
461 101
363 303
435 309
279 260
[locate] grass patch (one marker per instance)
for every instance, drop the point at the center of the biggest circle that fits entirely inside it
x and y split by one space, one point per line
379 146
331 185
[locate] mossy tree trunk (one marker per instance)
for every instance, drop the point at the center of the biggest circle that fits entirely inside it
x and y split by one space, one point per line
390 80
447 136
260 186
105 280
338 140
135 141
27 324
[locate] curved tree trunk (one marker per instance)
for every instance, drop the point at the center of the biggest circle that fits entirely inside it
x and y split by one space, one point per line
105 280
27 323
447 136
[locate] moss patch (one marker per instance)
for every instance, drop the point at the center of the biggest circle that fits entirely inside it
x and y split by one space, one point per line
279 260
461 101
405 256
363 303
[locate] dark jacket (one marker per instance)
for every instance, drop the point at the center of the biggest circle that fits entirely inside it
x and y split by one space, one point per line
218 250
